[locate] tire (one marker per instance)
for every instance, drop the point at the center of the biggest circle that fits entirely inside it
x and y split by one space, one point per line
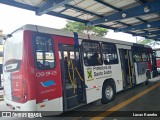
108 92
147 81
148 76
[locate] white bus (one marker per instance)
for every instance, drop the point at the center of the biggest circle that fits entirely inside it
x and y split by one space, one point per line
56 70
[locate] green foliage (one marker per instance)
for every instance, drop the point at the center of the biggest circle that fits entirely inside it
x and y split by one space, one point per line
150 42
81 28
145 42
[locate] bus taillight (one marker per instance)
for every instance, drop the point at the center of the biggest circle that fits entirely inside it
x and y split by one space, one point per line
19 91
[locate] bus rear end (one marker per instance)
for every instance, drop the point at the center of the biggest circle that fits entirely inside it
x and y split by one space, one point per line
16 85
32 80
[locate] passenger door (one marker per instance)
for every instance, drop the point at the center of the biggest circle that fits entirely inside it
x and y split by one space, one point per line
128 70
72 76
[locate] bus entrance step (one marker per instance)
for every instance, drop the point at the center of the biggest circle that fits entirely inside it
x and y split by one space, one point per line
80 97
73 102
72 96
71 92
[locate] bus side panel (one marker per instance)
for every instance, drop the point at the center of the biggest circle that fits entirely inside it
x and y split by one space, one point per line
50 97
29 72
23 81
96 75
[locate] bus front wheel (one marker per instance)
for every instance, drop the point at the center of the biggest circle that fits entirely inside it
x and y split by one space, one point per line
108 92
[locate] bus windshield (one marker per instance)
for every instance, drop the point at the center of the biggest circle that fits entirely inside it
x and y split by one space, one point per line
13 51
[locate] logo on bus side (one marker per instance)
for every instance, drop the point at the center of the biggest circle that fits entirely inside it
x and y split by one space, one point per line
48 83
89 74
97 72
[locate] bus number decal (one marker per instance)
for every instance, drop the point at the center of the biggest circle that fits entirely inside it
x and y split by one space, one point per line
42 74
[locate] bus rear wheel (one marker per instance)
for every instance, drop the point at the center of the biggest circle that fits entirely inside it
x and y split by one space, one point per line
148 76
108 92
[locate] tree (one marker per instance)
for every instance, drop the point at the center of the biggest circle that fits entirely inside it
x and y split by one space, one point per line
150 42
81 28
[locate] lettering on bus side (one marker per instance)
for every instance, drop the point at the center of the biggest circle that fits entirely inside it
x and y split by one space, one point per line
98 71
42 74
102 70
47 91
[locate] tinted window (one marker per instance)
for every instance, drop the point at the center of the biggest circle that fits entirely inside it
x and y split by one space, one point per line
44 52
137 56
109 51
140 54
145 54
91 53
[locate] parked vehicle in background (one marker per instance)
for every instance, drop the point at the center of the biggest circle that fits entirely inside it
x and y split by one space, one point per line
157 51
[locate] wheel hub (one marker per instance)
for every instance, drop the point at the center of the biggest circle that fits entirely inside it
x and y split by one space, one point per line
109 92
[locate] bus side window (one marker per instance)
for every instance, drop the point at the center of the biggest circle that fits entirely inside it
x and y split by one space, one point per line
109 51
44 52
137 54
145 55
91 53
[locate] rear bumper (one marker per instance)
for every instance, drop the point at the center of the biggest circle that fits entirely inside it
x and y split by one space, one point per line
54 106
28 106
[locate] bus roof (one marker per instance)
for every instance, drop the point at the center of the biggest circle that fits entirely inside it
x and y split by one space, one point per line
71 34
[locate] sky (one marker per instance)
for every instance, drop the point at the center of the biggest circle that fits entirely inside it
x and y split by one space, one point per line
13 18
